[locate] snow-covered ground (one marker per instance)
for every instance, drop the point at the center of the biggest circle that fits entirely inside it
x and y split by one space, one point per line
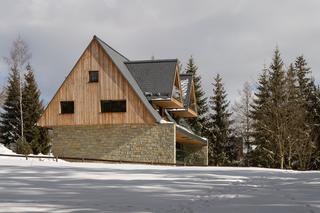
42 186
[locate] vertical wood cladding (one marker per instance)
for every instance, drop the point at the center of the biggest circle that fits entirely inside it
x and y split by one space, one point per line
87 96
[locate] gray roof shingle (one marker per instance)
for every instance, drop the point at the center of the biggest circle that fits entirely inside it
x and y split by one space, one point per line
155 77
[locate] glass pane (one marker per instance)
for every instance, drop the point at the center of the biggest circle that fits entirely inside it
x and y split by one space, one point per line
93 76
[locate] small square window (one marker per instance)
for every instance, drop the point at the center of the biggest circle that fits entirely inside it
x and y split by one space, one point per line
93 76
113 106
67 107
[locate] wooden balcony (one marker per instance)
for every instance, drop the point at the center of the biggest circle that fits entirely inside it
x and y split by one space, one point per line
170 103
184 113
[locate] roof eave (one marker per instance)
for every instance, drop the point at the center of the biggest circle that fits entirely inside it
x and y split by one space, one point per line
191 134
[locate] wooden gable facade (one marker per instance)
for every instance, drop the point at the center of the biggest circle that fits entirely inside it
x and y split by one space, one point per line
86 95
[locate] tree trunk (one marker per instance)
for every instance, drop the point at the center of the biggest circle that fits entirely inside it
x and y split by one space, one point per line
20 102
281 162
289 158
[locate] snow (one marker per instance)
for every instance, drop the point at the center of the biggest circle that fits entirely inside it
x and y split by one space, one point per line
5 150
177 110
163 121
161 99
37 186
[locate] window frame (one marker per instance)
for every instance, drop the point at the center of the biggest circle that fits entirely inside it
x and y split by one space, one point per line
66 112
93 72
110 107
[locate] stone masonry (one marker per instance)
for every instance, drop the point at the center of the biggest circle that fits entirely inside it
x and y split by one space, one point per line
152 143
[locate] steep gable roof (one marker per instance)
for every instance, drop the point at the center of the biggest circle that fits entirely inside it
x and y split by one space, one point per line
155 77
120 60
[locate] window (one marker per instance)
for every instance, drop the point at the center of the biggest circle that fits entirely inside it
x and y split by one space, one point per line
113 106
67 107
179 146
93 76
180 153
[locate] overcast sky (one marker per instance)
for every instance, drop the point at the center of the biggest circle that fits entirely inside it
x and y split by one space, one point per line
233 38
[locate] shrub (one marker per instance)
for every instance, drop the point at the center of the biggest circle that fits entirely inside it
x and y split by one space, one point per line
23 147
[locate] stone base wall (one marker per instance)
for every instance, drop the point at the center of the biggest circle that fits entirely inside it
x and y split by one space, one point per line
195 154
153 143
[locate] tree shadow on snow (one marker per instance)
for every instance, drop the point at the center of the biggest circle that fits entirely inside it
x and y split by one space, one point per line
157 189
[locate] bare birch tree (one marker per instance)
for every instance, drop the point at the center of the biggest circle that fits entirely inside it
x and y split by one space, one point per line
19 56
242 115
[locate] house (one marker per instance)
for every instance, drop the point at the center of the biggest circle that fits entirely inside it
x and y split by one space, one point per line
112 108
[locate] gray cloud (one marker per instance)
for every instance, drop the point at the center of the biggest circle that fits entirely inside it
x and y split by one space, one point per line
234 38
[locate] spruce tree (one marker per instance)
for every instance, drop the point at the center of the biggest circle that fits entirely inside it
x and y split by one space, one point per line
297 131
276 125
316 103
264 153
315 134
198 125
285 115
10 117
307 94
292 109
303 78
220 146
270 115
32 109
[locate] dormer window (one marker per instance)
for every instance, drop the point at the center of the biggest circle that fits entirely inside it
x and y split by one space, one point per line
93 76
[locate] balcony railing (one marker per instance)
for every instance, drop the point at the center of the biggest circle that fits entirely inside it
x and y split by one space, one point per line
176 93
193 106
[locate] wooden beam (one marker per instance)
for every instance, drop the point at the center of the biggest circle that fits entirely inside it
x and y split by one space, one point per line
168 103
185 113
